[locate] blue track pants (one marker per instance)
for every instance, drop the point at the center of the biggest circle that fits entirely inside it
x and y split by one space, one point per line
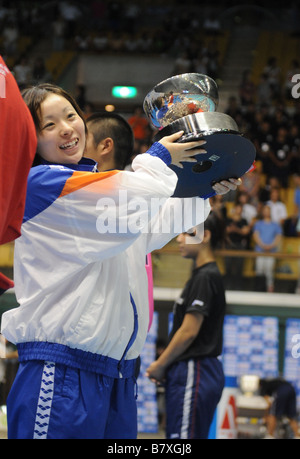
54 401
193 390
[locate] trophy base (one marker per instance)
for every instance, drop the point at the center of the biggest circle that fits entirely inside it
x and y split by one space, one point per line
228 153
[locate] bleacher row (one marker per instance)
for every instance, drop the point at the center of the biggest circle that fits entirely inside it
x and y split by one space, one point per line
281 45
170 270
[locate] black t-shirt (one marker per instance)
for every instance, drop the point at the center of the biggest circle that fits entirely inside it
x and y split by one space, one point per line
237 240
204 293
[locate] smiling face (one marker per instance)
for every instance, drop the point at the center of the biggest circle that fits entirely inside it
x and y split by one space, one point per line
61 138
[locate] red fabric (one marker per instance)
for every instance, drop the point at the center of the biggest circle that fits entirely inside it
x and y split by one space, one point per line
5 283
139 125
17 149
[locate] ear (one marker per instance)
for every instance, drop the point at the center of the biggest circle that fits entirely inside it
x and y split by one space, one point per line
106 145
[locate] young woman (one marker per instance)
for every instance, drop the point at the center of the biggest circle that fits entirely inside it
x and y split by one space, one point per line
189 364
80 278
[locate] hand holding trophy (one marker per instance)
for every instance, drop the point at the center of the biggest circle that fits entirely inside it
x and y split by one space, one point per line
188 102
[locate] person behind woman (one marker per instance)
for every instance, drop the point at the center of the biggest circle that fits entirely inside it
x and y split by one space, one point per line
80 277
189 365
267 236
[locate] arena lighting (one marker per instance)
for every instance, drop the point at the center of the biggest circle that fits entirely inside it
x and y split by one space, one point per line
110 108
124 92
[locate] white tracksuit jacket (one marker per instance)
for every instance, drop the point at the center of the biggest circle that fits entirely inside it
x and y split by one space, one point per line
79 268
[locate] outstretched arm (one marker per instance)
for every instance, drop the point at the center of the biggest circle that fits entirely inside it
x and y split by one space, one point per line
182 339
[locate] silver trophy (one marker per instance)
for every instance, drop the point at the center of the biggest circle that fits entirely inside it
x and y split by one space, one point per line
188 102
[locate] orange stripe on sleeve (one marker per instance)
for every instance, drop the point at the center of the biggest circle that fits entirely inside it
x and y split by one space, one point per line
81 179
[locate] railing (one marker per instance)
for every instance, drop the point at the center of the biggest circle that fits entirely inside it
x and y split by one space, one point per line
235 253
287 262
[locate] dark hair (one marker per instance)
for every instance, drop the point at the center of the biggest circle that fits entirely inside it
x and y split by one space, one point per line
103 125
216 226
34 96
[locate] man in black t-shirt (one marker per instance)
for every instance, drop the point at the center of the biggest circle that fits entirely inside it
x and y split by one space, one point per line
189 364
238 234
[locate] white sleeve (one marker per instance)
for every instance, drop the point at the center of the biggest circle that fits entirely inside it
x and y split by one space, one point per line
175 216
100 214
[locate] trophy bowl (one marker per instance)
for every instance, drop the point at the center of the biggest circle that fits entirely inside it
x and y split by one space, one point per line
188 102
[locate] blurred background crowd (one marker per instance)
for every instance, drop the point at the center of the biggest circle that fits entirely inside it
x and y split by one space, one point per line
38 38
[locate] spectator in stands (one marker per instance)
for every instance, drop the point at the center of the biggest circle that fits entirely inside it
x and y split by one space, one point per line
98 13
183 64
131 16
277 207
144 42
100 41
23 73
296 178
296 113
273 72
10 35
248 114
199 64
83 40
298 228
233 109
247 89
139 124
212 54
80 95
88 109
267 238
290 226
131 43
71 14
249 211
265 190
59 27
280 157
115 11
212 25
294 143
116 41
40 74
218 206
262 140
296 215
237 231
264 92
280 118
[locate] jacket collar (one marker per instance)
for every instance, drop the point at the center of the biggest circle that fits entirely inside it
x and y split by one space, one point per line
85 164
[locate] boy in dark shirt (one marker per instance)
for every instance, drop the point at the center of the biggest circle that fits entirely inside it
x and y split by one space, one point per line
190 364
